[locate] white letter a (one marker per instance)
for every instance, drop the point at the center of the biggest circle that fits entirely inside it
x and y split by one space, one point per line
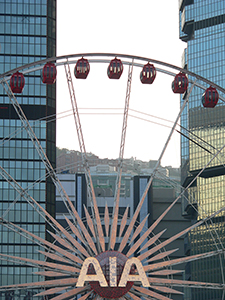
99 276
126 273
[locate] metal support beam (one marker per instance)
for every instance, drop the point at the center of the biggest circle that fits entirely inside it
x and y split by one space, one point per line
90 187
51 172
112 240
130 227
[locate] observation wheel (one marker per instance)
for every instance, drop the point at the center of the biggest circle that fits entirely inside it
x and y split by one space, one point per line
106 255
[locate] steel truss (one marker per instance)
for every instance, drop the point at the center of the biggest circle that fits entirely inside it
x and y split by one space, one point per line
95 223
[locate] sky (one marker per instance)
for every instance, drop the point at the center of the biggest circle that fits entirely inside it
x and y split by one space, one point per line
143 28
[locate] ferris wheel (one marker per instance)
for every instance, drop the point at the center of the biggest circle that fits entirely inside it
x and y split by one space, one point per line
83 260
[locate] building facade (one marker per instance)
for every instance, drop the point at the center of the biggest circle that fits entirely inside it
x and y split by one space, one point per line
202 27
27 34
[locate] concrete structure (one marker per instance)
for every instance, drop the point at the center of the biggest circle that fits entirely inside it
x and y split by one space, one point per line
27 34
202 26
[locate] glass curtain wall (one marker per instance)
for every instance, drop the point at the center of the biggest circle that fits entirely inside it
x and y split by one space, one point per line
27 34
202 26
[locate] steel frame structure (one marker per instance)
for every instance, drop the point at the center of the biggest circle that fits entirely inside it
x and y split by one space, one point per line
94 222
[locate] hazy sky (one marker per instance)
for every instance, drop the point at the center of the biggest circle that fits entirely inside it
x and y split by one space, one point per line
143 28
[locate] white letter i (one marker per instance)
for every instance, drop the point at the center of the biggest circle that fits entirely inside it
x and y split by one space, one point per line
112 271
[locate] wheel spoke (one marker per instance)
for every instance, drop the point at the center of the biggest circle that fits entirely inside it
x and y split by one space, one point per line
112 239
131 225
90 188
38 147
86 238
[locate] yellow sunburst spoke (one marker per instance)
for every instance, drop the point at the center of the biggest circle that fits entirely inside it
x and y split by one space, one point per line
166 290
62 241
106 220
152 240
112 240
165 272
60 227
47 283
52 291
89 221
51 274
137 211
168 241
141 240
123 221
57 224
73 241
161 255
88 238
133 296
76 244
128 232
151 228
177 261
31 199
50 245
82 226
85 296
55 257
71 293
74 229
187 283
67 268
42 263
150 293
139 229
101 238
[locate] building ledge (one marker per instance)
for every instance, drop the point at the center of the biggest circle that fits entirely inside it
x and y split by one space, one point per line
210 172
191 211
188 180
183 3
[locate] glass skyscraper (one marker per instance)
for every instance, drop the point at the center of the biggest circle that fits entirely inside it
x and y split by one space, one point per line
27 34
202 27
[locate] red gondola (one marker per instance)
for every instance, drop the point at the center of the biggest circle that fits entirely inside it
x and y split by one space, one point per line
115 69
48 74
148 74
180 83
82 68
17 82
210 97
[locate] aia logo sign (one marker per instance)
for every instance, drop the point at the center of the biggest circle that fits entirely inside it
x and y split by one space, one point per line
111 274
